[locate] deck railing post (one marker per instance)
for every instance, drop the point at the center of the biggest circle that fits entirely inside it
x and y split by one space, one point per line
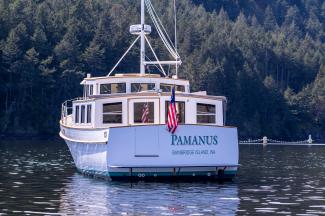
264 140
310 140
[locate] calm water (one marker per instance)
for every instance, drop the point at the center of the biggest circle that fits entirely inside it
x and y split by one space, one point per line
38 177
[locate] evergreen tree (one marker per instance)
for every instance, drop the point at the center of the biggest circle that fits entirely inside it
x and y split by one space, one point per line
266 57
314 27
269 20
15 43
68 50
322 13
293 16
94 56
40 41
318 99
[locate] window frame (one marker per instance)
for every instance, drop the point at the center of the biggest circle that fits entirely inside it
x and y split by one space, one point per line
206 113
166 85
82 114
76 114
91 90
157 109
112 113
147 83
171 86
166 110
182 86
151 111
89 112
110 88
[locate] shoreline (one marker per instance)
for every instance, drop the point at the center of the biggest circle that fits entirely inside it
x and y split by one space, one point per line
20 137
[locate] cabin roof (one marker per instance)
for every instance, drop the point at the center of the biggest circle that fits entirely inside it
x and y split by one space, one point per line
151 94
132 75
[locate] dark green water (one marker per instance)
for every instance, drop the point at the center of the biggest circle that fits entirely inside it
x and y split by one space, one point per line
38 177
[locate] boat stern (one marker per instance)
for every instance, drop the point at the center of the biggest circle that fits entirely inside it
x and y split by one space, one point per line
192 150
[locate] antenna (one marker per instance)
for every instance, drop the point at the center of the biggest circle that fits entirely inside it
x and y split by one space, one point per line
141 30
176 36
143 45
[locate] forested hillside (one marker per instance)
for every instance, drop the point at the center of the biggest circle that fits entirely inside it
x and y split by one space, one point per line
267 57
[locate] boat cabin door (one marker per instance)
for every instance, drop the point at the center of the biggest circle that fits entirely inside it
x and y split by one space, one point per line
145 113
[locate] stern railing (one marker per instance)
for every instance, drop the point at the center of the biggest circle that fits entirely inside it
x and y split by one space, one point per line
66 110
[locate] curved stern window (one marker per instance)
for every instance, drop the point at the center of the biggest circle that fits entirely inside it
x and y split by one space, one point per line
180 108
144 112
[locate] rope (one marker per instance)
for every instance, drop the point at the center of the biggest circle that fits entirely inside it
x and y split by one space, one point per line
156 18
126 52
161 30
148 66
162 36
175 20
163 71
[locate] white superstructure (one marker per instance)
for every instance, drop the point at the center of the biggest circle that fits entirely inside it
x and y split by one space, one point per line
106 135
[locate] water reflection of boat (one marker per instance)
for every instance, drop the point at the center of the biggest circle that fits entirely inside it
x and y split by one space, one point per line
118 128
88 196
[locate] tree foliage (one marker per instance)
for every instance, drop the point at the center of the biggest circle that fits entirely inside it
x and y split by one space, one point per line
266 57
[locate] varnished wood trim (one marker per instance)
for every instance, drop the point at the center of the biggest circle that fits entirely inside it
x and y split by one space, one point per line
144 125
133 76
155 94
217 126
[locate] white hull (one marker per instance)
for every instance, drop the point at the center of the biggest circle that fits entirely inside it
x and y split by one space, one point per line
151 151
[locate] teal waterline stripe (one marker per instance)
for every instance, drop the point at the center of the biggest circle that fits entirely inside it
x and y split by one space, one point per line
121 174
118 174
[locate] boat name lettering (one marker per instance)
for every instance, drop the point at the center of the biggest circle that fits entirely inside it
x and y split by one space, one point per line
194 140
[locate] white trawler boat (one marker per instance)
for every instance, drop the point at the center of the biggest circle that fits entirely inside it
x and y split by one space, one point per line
127 125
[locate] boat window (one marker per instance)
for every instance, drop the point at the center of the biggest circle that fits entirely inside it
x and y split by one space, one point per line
86 91
139 87
165 87
168 88
76 115
89 113
180 88
105 89
180 108
112 88
112 113
91 90
206 113
82 117
144 112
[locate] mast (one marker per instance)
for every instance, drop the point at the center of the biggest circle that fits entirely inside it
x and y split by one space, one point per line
175 41
143 47
142 30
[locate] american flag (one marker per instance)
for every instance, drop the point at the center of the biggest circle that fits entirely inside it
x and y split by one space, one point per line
172 122
145 113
